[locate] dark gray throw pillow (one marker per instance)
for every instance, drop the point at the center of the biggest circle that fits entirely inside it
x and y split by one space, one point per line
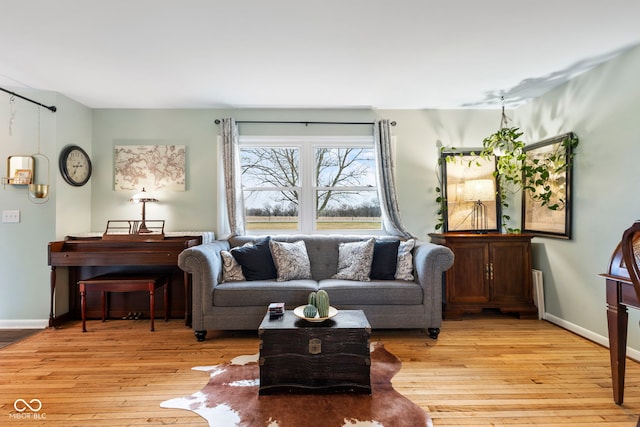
385 260
256 261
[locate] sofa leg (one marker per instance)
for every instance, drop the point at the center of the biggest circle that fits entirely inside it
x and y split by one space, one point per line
433 332
200 335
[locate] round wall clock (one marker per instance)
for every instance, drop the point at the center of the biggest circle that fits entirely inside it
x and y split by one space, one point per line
75 165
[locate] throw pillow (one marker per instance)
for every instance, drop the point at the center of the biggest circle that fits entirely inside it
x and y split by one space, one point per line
231 270
385 260
354 260
256 260
291 260
404 270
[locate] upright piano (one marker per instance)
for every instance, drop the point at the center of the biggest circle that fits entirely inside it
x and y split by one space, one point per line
89 256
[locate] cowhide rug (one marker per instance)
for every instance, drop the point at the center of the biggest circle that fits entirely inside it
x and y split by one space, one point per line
231 399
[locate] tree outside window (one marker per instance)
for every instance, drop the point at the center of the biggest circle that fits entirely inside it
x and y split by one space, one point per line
306 187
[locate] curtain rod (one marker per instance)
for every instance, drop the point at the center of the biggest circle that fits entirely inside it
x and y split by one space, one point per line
51 108
217 121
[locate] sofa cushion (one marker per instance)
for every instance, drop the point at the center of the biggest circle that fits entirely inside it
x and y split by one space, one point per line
404 269
354 260
375 292
385 260
263 292
256 260
322 248
231 270
291 260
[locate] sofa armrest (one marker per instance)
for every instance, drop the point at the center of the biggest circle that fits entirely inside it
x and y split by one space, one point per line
204 264
430 261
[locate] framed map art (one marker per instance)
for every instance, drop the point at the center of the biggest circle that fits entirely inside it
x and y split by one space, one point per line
154 167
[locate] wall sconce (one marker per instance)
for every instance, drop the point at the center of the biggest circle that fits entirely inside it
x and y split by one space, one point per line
144 198
39 192
477 191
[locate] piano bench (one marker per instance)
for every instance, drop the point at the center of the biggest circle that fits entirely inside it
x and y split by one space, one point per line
124 283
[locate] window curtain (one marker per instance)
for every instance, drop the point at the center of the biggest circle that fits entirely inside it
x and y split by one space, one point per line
385 174
232 177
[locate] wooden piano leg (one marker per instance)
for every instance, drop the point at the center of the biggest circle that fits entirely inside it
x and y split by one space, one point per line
167 283
187 299
617 319
152 303
103 300
52 297
83 306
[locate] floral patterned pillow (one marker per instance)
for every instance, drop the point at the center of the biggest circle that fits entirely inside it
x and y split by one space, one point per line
231 270
354 260
291 260
404 268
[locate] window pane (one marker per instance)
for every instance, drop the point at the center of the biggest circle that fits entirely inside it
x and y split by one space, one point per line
270 167
347 210
271 210
340 167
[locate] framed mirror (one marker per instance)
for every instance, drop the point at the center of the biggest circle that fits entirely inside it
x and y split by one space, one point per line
20 170
469 190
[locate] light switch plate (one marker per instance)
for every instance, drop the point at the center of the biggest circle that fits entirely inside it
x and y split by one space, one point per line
12 216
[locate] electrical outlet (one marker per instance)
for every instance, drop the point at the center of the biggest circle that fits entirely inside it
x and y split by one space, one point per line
12 216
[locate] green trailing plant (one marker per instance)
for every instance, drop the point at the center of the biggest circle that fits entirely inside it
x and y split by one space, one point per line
506 145
541 172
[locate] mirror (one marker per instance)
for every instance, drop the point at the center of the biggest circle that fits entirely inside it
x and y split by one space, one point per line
20 170
470 190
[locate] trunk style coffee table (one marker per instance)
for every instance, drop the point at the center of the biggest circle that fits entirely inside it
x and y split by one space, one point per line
297 356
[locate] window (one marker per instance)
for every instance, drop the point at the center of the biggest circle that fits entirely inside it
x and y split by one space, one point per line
310 185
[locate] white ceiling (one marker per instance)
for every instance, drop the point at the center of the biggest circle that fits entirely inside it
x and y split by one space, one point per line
297 53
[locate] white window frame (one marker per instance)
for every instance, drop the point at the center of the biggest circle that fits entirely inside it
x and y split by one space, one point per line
307 146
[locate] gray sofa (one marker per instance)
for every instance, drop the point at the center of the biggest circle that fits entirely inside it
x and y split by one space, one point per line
388 304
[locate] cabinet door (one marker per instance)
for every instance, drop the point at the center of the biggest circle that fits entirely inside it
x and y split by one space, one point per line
468 279
511 267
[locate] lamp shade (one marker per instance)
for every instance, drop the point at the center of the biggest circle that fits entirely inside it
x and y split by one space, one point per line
143 196
479 189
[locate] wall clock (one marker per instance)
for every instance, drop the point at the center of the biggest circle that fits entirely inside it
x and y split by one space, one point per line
75 165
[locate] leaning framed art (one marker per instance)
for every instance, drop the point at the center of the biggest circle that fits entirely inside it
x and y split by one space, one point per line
547 179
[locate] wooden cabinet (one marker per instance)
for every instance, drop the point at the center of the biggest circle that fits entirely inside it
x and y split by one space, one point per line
490 271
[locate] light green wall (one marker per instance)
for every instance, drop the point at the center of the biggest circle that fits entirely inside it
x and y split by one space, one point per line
24 274
603 108
195 209
600 106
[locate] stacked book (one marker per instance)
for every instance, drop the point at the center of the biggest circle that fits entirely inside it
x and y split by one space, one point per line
276 309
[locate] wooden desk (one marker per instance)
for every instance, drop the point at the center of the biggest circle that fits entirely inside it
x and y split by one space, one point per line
87 257
620 295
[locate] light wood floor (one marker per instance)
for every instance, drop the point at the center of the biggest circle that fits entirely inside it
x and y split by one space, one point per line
496 371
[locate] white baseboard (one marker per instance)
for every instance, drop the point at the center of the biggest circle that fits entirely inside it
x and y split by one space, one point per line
24 324
591 336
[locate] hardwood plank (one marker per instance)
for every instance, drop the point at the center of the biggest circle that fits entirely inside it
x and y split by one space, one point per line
9 336
481 371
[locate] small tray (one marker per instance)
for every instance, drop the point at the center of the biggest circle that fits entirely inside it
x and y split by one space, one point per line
299 311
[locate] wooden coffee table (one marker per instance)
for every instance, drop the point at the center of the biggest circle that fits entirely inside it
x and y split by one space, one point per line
303 357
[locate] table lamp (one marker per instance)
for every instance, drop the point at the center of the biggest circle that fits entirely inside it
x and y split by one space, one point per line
479 190
144 198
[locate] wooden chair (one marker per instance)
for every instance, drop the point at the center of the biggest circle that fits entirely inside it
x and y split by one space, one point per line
631 258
